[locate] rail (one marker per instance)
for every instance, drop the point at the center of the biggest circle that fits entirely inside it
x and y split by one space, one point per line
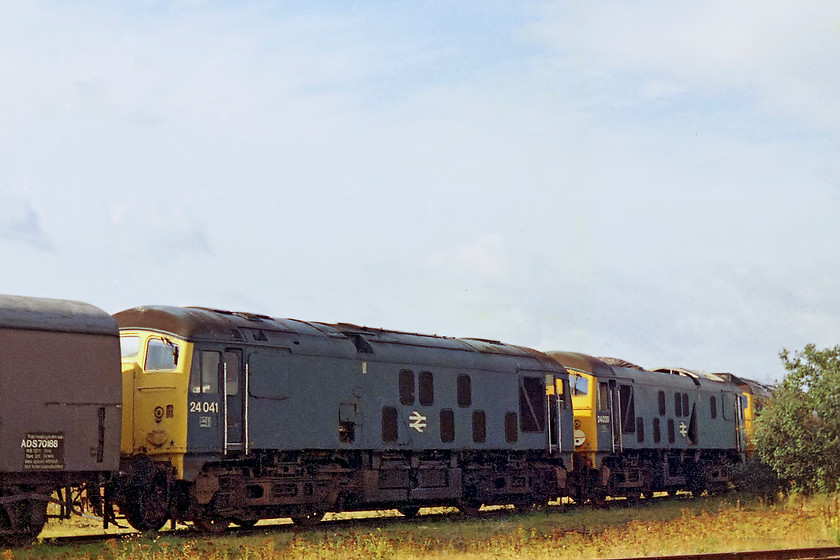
821 553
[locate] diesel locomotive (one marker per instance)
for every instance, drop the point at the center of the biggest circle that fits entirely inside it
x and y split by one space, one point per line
235 417
639 431
213 417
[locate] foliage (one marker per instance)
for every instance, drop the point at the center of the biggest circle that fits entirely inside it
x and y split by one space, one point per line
757 478
662 526
798 434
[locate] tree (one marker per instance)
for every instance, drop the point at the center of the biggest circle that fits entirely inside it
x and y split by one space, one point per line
798 433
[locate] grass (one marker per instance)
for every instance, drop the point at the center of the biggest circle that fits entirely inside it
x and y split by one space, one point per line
666 526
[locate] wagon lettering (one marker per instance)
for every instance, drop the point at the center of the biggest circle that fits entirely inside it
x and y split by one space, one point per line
43 452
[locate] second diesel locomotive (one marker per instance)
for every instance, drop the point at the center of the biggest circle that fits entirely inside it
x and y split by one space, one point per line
236 417
639 431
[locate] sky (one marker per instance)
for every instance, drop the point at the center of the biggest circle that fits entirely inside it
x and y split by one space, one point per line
653 181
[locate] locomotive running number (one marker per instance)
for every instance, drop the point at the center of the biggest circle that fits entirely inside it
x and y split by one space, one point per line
204 407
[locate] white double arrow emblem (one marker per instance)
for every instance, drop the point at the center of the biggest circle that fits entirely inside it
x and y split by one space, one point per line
418 421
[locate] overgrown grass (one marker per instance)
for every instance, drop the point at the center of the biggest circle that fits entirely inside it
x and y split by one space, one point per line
667 526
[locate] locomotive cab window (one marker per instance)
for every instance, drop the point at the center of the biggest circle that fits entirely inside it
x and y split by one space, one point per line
161 355
204 375
579 384
129 346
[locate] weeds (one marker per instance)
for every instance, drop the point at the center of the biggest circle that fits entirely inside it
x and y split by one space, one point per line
667 526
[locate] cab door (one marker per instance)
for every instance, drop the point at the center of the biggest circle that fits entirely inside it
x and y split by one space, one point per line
205 403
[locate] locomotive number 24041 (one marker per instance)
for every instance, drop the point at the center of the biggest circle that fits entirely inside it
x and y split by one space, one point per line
204 407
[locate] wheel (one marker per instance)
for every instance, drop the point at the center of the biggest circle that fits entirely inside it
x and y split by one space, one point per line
308 520
211 525
598 499
148 510
470 508
244 523
409 511
21 522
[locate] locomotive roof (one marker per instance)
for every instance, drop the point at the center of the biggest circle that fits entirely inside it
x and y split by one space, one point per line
613 367
204 324
43 314
582 362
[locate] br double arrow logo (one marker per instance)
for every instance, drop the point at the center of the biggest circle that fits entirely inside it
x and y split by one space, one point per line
418 421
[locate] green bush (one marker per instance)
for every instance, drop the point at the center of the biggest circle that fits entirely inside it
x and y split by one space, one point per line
798 433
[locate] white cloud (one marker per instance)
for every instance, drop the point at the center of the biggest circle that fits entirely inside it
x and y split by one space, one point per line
21 223
784 55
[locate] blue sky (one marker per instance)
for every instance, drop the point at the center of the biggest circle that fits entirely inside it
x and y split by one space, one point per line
652 181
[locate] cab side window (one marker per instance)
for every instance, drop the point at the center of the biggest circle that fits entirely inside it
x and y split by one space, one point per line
129 346
161 355
204 375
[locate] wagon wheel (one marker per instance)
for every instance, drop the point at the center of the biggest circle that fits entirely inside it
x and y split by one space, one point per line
308 519
21 522
409 511
211 525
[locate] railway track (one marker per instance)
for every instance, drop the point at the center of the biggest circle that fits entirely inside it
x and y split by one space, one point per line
821 553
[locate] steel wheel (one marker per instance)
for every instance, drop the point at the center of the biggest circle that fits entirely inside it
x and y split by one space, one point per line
211 525
308 520
149 510
409 511
245 523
